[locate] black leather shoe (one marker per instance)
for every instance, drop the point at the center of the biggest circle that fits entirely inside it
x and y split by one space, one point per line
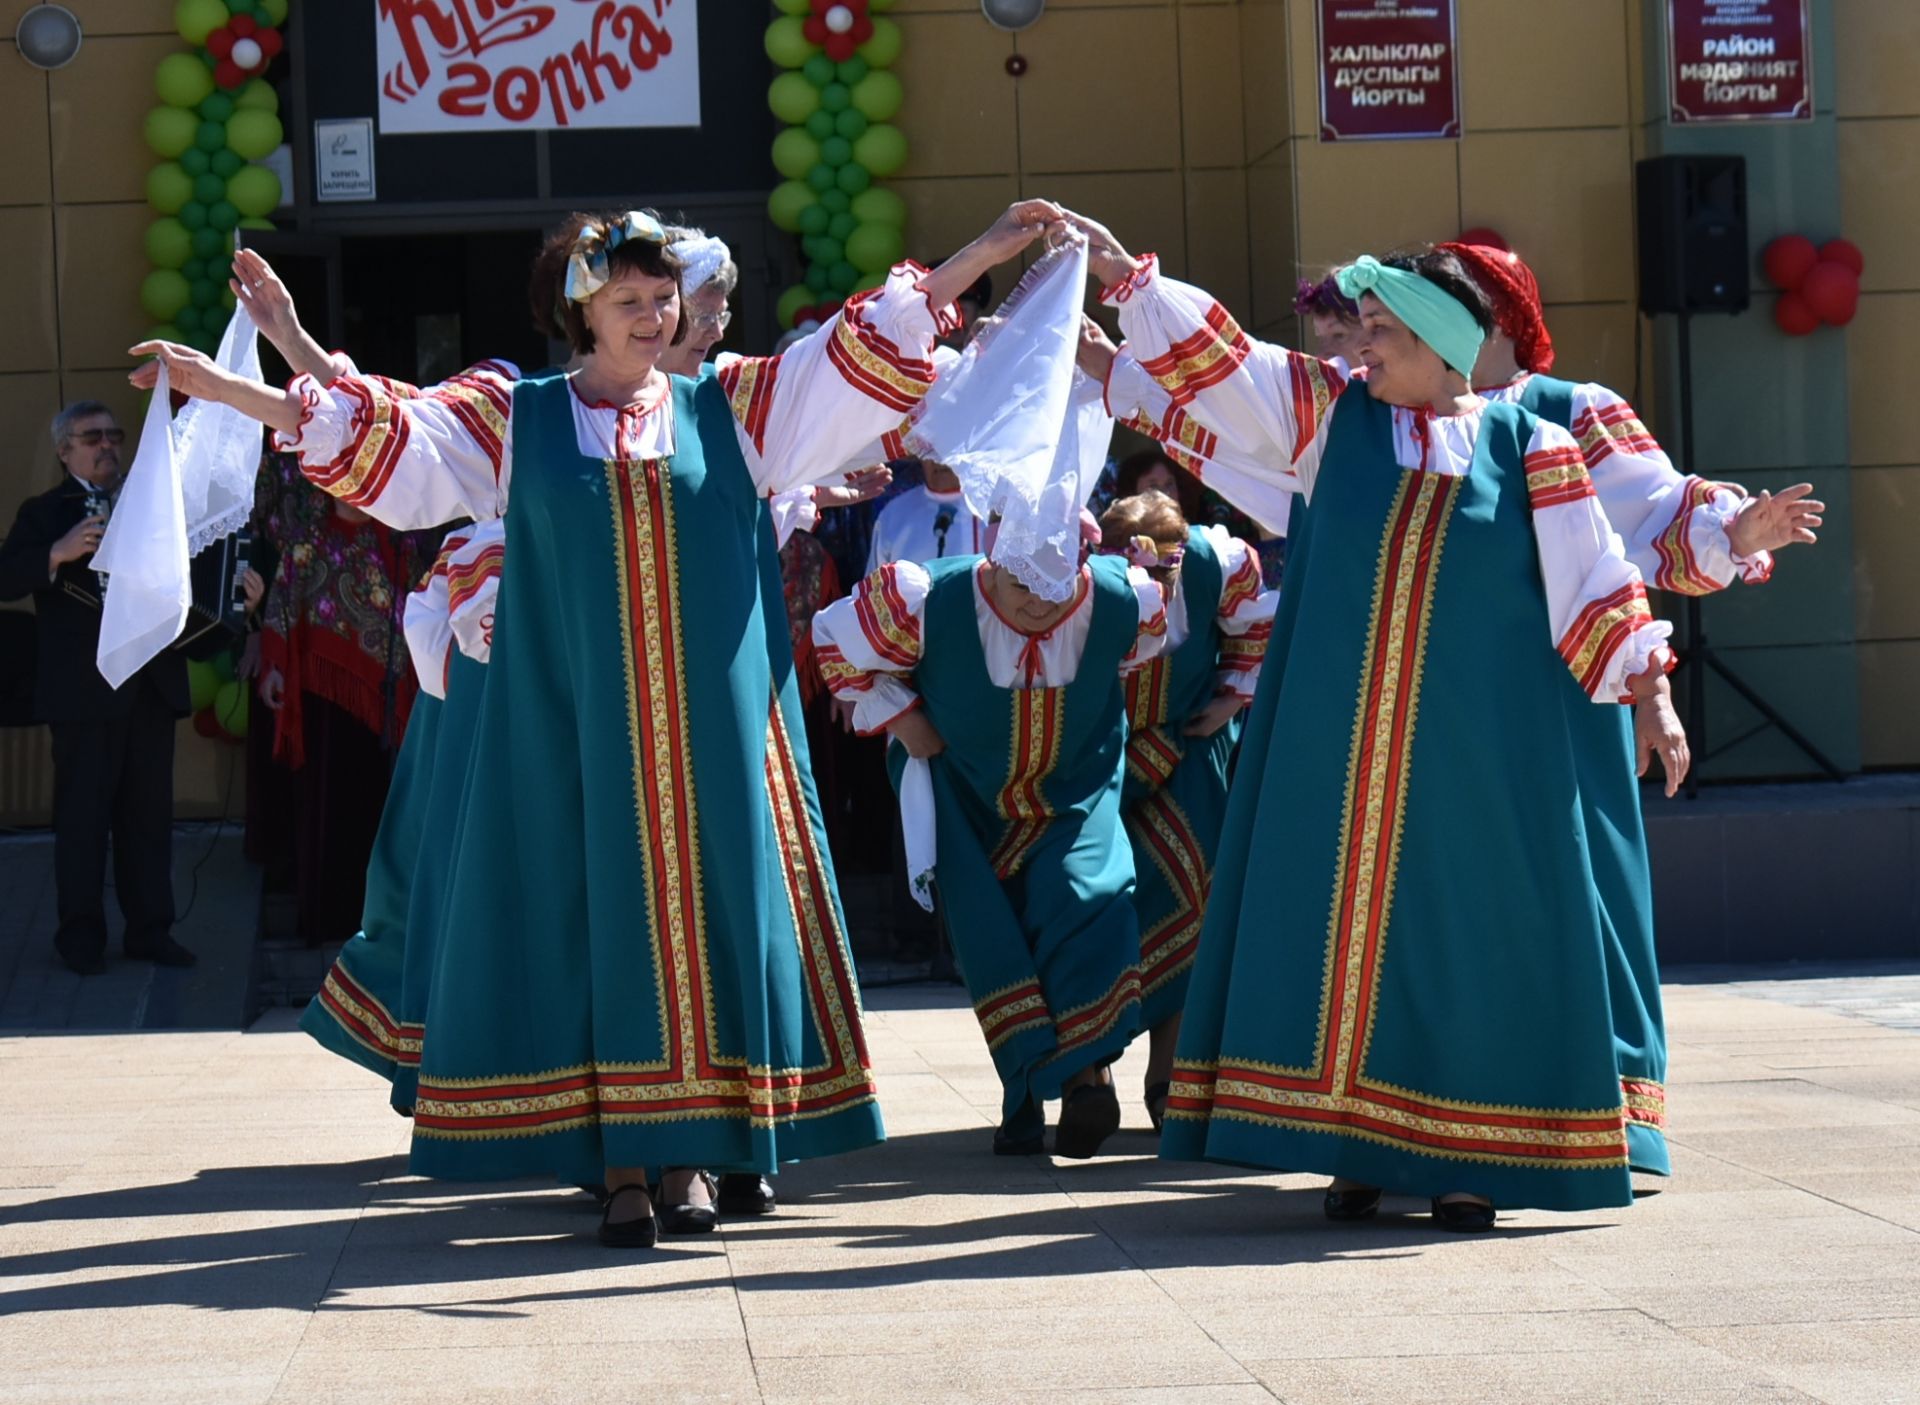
79 959
1463 1216
1156 1100
1024 1133
686 1217
164 951
641 1233
1088 1117
1356 1204
744 1193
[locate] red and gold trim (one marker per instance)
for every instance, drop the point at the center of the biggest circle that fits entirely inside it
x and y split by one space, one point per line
1611 428
1094 1021
468 578
1152 757
481 402
871 363
1167 948
1202 359
748 383
1600 630
839 675
1243 586
1646 1102
1243 653
1679 568
368 1022
891 627
1147 689
365 464
1022 801
1011 1010
1315 384
1555 475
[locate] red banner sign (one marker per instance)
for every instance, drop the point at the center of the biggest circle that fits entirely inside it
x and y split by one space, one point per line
1387 69
1739 61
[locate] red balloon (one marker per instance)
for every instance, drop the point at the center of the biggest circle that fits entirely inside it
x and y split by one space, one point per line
229 74
1832 291
815 29
862 30
206 724
269 41
1788 260
820 7
840 47
220 42
1844 251
242 26
1792 316
1486 238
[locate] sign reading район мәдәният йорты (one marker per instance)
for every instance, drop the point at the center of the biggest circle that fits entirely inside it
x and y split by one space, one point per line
1739 61
1388 69
519 65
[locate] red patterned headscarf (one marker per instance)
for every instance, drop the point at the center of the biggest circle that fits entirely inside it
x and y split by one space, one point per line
1515 293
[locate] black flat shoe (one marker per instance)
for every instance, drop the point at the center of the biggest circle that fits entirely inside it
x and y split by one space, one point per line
1156 1100
642 1233
1356 1204
688 1218
81 961
1462 1216
163 952
1023 1133
1088 1117
743 1193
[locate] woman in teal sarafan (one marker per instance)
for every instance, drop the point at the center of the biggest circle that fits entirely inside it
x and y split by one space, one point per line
1183 723
643 961
1402 980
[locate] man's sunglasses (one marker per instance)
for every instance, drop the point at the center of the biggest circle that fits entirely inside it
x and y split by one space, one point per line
94 438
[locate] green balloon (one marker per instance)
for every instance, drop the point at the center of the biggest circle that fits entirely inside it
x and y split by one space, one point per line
873 248
843 224
205 294
188 321
793 99
836 151
254 134
814 219
792 7
170 131
207 187
219 269
821 177
853 178
168 187
795 153
208 242
850 122
202 681
818 277
884 47
820 125
836 201
169 245
882 149
211 137
878 96
843 277
878 206
257 96
182 80
163 293
822 248
852 71
226 218
217 108
276 10
254 191
196 19
789 201
194 161
787 43
225 163
195 269
193 215
818 70
230 708
786 310
835 97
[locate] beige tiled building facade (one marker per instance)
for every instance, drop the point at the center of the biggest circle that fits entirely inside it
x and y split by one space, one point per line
1191 127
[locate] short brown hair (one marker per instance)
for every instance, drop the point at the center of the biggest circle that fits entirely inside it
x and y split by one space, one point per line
557 317
1149 514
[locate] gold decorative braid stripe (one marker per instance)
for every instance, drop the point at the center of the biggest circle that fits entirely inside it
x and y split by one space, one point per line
875 366
891 628
1678 568
1146 689
1612 429
381 429
478 406
1169 946
1023 803
367 1021
1598 631
1202 359
1316 384
1010 1010
1089 1023
749 385
1557 475
1646 1102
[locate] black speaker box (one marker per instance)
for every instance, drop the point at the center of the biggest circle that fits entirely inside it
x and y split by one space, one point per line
1693 233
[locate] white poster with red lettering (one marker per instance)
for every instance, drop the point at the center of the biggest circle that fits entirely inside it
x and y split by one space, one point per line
517 65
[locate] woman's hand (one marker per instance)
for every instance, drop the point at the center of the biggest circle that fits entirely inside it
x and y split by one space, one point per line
861 486
1215 715
919 736
1657 729
1094 355
1023 222
1107 258
1769 521
192 373
258 289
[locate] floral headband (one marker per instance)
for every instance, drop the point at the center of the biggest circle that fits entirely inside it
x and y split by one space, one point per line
587 267
1149 555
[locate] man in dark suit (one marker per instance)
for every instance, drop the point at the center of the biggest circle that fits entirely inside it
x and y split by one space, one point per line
112 748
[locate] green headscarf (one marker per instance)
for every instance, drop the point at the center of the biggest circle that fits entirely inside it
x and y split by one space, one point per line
1435 316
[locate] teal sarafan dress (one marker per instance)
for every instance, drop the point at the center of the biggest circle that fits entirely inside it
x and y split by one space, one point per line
1174 799
1422 1001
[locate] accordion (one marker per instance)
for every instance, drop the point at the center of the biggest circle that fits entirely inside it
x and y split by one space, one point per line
219 599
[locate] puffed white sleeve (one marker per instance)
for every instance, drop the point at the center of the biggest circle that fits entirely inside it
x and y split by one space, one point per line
1245 613
802 415
793 511
1151 636
473 588
1675 524
867 644
1266 403
406 456
425 620
1596 600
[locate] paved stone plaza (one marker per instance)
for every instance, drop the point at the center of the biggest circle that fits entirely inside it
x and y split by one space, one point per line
226 1217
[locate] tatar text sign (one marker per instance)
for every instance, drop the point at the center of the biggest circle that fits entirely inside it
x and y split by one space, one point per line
1739 60
1388 69
515 65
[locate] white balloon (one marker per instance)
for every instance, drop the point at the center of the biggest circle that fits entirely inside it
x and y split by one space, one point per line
246 53
839 19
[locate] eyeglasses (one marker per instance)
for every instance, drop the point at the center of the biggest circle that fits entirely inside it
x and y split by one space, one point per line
712 321
94 438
